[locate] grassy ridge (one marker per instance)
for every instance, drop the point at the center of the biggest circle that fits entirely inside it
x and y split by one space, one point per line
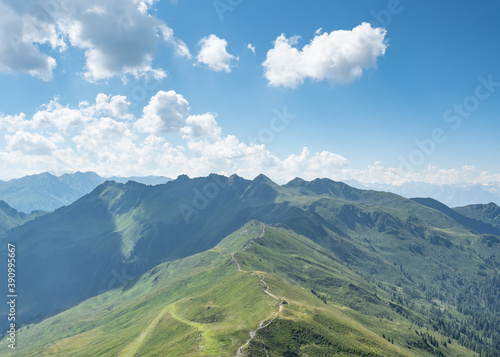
203 305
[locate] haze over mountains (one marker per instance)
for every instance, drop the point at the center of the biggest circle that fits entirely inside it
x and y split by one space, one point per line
452 195
47 192
194 265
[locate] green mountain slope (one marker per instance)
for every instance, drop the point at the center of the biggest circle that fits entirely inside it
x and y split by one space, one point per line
114 232
262 291
477 225
489 213
10 217
424 259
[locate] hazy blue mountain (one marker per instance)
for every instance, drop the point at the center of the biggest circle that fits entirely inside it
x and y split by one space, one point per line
146 180
48 192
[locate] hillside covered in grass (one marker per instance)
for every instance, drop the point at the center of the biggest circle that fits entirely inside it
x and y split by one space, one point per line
261 291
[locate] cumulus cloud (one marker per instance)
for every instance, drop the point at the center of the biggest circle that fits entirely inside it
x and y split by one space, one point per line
165 113
56 115
51 115
19 51
320 164
213 54
115 106
105 141
339 56
118 37
30 144
102 141
12 123
201 126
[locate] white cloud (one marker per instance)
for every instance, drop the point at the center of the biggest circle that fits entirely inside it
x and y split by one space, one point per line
339 56
251 48
52 116
181 50
201 126
30 144
13 123
143 8
115 106
106 141
165 113
58 116
119 37
213 54
19 51
105 137
379 174
310 166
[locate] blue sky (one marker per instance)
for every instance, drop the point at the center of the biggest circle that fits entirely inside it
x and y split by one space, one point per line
180 91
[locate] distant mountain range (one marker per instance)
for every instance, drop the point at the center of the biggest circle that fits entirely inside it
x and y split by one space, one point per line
452 195
47 192
225 266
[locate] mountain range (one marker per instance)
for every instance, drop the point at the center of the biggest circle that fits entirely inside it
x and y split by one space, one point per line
47 192
224 266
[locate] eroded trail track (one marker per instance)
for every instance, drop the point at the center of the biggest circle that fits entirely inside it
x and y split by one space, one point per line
266 322
263 323
235 262
132 348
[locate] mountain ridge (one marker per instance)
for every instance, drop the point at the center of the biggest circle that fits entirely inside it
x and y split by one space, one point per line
11 218
477 225
121 231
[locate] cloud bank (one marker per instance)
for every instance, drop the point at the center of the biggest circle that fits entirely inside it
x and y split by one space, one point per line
105 137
